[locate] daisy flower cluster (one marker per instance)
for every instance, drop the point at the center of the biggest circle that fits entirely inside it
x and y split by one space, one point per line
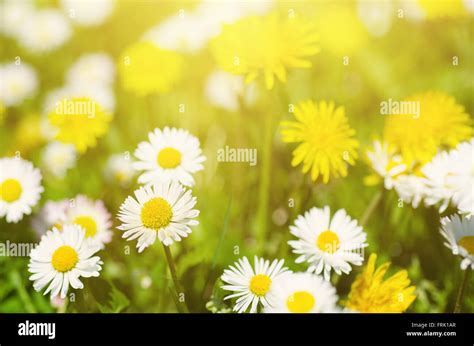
37 30
72 231
164 207
326 244
98 150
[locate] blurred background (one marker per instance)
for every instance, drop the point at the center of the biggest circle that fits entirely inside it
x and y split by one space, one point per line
370 51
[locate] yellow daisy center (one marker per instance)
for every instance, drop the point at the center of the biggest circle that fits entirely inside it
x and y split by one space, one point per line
467 242
64 259
300 302
260 284
10 190
328 241
169 158
88 223
156 213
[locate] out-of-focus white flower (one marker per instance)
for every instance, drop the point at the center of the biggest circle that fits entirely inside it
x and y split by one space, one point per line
226 90
190 31
376 15
463 196
93 217
43 31
119 169
18 82
410 9
385 163
13 12
53 213
102 95
58 157
411 189
228 11
92 69
450 176
183 32
88 12
469 5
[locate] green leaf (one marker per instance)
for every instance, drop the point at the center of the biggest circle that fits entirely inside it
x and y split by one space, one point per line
117 303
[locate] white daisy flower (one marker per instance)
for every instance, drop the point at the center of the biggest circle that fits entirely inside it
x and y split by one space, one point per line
463 196
88 12
93 217
53 213
411 189
459 233
376 16
251 284
43 31
327 243
61 258
161 210
386 163
119 169
92 69
225 90
19 82
20 188
450 175
13 13
170 155
58 157
301 293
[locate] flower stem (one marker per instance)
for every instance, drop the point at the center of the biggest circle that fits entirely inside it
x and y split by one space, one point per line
374 202
462 290
182 306
264 188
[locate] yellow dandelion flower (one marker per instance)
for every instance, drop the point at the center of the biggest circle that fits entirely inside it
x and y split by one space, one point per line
266 45
79 121
326 140
441 122
342 33
440 9
369 293
145 69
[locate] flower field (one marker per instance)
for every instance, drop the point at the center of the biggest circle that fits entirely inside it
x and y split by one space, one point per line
236 156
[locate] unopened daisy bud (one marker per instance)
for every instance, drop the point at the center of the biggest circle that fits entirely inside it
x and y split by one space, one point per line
58 157
119 169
